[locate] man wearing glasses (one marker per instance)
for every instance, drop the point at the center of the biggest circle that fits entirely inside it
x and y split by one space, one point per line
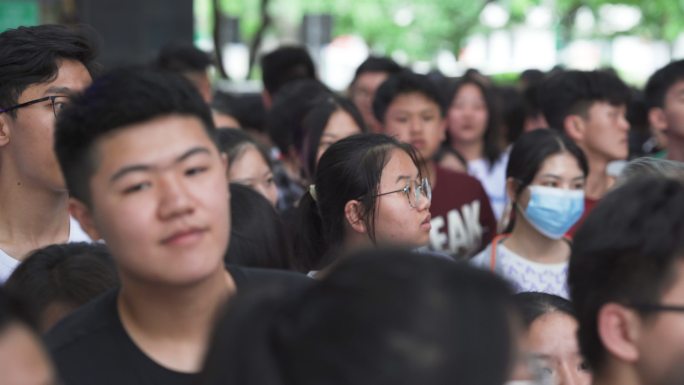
39 68
626 279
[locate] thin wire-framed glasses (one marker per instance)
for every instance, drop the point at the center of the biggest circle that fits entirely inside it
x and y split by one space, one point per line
414 191
58 102
656 307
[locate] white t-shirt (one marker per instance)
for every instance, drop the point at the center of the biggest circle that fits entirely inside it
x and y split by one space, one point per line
523 274
493 180
8 264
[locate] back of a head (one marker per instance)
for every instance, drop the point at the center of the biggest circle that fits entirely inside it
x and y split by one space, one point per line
284 119
624 252
572 92
403 83
284 65
120 98
257 236
380 64
30 55
65 276
182 58
380 317
647 166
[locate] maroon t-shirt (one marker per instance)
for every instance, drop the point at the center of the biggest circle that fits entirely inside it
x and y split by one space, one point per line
589 205
462 219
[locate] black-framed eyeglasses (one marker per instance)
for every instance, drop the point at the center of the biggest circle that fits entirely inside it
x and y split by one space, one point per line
656 307
414 191
58 102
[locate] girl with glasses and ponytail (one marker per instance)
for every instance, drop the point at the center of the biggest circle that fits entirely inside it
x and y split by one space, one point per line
545 179
368 190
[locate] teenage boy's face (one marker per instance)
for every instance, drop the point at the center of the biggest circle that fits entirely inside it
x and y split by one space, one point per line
28 137
661 352
413 118
606 131
673 111
160 201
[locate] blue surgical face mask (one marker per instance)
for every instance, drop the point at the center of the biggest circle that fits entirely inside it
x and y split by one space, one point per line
553 211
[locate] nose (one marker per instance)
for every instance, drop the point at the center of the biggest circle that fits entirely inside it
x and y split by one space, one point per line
624 123
174 198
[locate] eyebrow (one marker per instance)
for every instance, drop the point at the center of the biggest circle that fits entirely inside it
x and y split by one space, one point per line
558 177
144 167
59 90
403 177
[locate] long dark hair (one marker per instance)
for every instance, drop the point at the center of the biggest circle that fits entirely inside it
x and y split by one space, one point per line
314 123
491 149
529 153
349 170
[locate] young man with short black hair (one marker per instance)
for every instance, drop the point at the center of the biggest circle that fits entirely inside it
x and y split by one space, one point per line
664 94
139 157
283 65
367 78
411 109
40 67
590 107
626 280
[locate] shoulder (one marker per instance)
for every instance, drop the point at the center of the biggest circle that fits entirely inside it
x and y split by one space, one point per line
482 259
251 276
449 177
80 326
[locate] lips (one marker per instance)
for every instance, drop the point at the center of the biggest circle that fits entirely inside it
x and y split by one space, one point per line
183 237
425 224
418 143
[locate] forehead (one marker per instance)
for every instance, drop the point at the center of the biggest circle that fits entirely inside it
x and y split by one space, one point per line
71 76
153 142
399 164
469 91
675 89
560 163
412 101
371 79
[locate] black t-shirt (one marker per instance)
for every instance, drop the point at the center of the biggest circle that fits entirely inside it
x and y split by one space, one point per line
91 346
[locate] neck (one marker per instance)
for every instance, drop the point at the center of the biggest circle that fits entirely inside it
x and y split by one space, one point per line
469 150
31 217
675 148
598 180
529 243
173 324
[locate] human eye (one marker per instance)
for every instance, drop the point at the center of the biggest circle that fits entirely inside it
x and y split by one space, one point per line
132 188
578 186
550 183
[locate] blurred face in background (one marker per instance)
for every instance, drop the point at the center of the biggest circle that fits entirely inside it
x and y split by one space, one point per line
468 115
362 94
251 169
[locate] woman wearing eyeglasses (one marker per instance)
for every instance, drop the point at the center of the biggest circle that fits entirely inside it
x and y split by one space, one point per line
545 180
368 190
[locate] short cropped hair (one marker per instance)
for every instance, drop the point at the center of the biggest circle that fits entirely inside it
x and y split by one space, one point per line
182 58
31 55
377 64
379 317
285 64
573 92
120 98
661 81
401 84
624 253
69 274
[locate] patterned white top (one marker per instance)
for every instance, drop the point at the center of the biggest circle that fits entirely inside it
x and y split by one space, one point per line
523 274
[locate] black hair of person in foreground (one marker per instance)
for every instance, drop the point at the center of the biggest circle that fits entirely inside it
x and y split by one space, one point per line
379 317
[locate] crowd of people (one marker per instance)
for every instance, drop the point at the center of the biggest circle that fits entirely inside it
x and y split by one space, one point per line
416 229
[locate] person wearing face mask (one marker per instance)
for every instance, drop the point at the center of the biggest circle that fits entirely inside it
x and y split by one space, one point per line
545 179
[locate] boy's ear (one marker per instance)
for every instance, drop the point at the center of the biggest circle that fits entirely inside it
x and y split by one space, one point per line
657 119
4 129
84 216
619 329
353 214
574 127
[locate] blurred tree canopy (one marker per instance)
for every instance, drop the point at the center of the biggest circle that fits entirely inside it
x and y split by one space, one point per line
421 27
